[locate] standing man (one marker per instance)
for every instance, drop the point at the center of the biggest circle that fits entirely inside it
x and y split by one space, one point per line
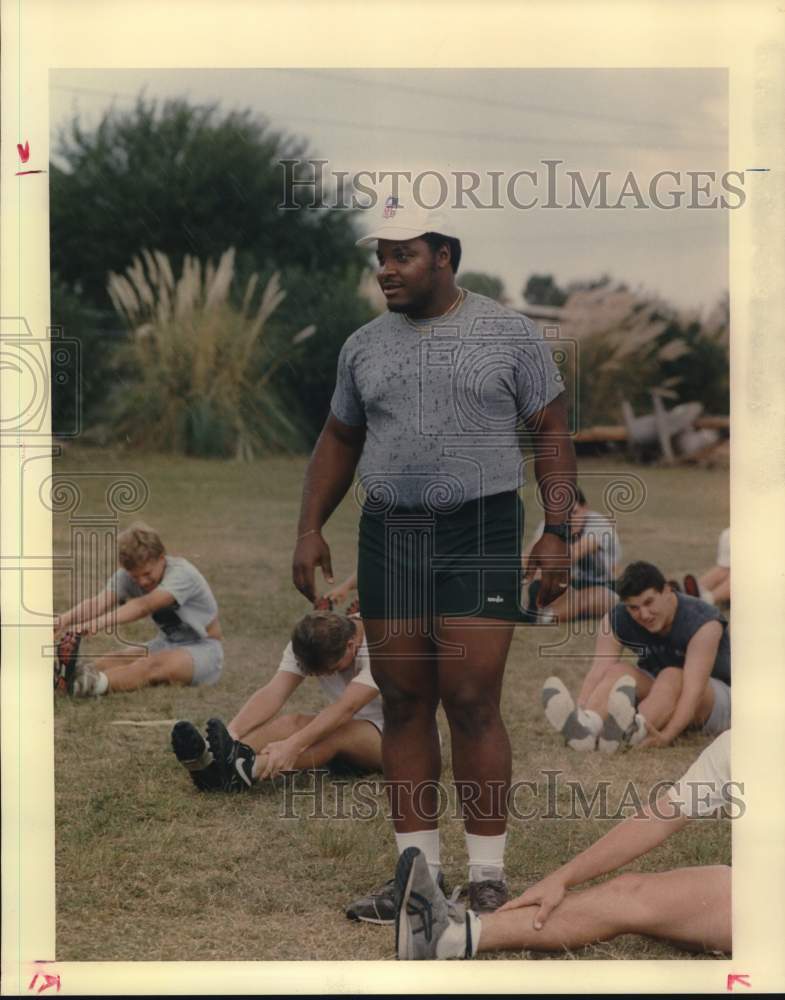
430 399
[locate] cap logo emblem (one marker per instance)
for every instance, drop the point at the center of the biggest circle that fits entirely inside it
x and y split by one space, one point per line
390 207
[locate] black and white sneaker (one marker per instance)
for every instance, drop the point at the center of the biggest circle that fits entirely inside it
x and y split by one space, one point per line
66 662
193 753
379 906
234 760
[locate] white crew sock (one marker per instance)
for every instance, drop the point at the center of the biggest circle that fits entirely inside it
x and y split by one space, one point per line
589 718
705 595
428 842
486 856
454 942
102 683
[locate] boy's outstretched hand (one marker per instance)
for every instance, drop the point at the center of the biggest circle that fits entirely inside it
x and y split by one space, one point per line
547 894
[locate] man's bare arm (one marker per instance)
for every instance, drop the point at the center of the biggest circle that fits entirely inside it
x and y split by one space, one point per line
554 467
327 479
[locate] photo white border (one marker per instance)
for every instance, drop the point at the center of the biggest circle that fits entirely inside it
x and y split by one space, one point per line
39 35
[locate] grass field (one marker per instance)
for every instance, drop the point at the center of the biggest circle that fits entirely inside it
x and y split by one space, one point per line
149 869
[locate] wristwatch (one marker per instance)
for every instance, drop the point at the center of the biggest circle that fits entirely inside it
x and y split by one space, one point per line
562 530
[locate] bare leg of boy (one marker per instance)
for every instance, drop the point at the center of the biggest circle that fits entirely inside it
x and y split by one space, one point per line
689 906
171 666
357 742
660 703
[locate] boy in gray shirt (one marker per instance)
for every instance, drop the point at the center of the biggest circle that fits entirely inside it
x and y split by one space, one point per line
187 648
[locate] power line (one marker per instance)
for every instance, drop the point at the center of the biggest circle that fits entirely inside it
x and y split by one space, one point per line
473 99
500 137
506 138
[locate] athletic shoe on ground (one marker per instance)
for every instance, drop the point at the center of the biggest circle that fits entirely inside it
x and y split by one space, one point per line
379 906
488 895
621 715
427 924
562 714
192 752
233 760
691 586
65 664
85 682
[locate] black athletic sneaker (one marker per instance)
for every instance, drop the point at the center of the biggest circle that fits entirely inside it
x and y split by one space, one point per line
380 905
488 895
234 760
191 750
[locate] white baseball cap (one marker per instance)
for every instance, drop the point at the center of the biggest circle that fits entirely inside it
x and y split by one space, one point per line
406 223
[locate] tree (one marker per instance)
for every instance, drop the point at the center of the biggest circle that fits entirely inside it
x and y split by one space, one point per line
191 181
483 284
81 360
184 180
331 302
542 290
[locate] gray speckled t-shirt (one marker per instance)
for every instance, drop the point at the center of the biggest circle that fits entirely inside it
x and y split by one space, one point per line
194 608
442 401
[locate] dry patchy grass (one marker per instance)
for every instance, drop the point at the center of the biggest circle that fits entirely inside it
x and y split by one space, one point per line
148 869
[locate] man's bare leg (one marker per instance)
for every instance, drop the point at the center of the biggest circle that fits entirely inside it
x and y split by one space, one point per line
689 906
470 689
403 664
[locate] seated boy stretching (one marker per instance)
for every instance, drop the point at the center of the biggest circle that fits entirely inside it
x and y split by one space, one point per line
187 649
690 907
682 678
325 645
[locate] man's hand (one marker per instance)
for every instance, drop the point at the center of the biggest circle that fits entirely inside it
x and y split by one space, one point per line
552 557
311 551
547 894
281 756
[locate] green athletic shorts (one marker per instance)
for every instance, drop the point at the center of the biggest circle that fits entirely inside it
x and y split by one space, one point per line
416 563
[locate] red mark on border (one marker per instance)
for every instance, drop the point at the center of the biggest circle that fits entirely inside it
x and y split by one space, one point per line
734 978
24 156
48 982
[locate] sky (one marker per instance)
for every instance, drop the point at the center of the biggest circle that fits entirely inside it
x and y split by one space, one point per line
499 121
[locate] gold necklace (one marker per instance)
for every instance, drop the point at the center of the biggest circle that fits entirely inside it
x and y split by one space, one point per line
429 322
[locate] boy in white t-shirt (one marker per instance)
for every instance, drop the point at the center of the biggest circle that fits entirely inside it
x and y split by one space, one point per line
256 744
175 595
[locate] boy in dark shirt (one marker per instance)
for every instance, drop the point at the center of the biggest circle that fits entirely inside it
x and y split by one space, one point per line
682 678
